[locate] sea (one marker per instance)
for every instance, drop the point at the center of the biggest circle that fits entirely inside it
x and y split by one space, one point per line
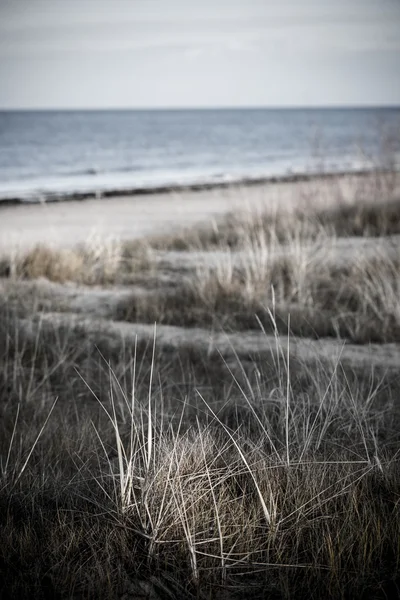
57 155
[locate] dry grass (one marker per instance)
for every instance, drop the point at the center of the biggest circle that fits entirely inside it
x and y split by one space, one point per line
374 220
177 474
257 233
286 263
343 218
357 298
134 472
99 261
236 229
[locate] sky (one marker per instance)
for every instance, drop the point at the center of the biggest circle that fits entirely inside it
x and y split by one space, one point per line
205 53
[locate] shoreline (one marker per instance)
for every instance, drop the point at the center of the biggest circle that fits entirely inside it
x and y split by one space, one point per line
209 185
131 217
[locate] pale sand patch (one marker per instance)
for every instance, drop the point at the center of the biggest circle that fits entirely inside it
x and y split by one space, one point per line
131 217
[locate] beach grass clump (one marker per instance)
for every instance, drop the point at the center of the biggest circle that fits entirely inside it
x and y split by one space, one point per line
355 297
119 481
359 217
372 219
231 287
98 261
236 229
53 263
368 299
87 264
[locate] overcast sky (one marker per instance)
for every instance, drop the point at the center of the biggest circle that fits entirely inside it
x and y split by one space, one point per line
186 53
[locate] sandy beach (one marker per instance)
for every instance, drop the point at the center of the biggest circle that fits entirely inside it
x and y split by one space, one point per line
131 217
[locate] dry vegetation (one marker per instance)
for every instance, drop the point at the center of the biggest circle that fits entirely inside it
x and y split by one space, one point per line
293 263
132 471
98 261
188 476
359 302
365 218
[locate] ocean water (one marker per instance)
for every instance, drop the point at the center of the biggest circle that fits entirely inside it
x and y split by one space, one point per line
61 153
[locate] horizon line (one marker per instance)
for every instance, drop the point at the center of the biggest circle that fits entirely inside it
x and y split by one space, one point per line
201 108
